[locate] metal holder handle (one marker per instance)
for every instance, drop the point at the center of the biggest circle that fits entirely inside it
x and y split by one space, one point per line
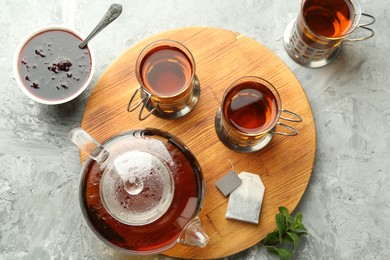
295 118
364 26
131 101
292 133
143 101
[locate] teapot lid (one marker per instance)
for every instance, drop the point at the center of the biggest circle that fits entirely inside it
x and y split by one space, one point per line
137 188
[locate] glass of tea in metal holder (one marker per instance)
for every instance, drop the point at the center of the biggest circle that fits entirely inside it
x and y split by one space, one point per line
169 88
249 115
315 37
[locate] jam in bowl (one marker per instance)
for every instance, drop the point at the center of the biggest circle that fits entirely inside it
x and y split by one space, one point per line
49 66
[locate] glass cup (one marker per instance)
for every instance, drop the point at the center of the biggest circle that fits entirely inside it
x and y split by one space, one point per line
249 115
315 37
169 88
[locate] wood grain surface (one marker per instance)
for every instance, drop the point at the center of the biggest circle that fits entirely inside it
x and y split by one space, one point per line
221 56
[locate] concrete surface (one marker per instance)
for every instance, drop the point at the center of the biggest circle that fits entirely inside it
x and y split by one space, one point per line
346 206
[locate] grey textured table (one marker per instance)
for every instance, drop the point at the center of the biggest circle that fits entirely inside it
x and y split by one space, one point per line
346 205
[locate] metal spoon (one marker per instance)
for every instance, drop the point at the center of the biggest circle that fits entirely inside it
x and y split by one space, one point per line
112 13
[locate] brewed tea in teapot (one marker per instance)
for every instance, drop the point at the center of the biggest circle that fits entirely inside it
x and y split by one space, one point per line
141 190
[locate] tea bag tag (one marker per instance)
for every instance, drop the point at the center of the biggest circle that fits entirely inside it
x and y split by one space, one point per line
228 183
245 201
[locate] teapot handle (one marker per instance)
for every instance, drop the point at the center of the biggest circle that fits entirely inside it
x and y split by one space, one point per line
88 144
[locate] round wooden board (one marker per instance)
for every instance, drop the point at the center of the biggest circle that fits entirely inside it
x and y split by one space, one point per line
285 165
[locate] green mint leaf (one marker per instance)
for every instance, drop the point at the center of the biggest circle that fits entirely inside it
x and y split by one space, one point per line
272 249
287 239
284 240
271 238
298 218
285 254
281 225
299 228
284 211
295 239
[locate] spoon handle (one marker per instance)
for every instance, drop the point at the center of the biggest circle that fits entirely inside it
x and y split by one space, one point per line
112 13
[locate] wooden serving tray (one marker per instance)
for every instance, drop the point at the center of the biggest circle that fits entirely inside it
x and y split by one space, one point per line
221 56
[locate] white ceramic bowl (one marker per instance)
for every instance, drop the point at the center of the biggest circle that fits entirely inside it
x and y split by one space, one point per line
23 87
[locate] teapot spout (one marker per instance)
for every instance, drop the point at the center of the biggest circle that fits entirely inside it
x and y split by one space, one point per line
194 235
88 144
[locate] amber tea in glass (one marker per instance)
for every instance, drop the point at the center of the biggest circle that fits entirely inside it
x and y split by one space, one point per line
250 110
314 39
166 71
250 107
332 18
169 88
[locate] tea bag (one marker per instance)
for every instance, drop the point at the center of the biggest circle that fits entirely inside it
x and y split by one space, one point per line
245 201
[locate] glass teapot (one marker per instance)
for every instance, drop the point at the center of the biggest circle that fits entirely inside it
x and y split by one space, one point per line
141 191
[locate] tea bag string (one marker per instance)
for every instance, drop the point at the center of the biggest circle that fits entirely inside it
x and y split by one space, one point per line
231 165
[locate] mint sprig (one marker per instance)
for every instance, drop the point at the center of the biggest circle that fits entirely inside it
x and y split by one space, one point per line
284 240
